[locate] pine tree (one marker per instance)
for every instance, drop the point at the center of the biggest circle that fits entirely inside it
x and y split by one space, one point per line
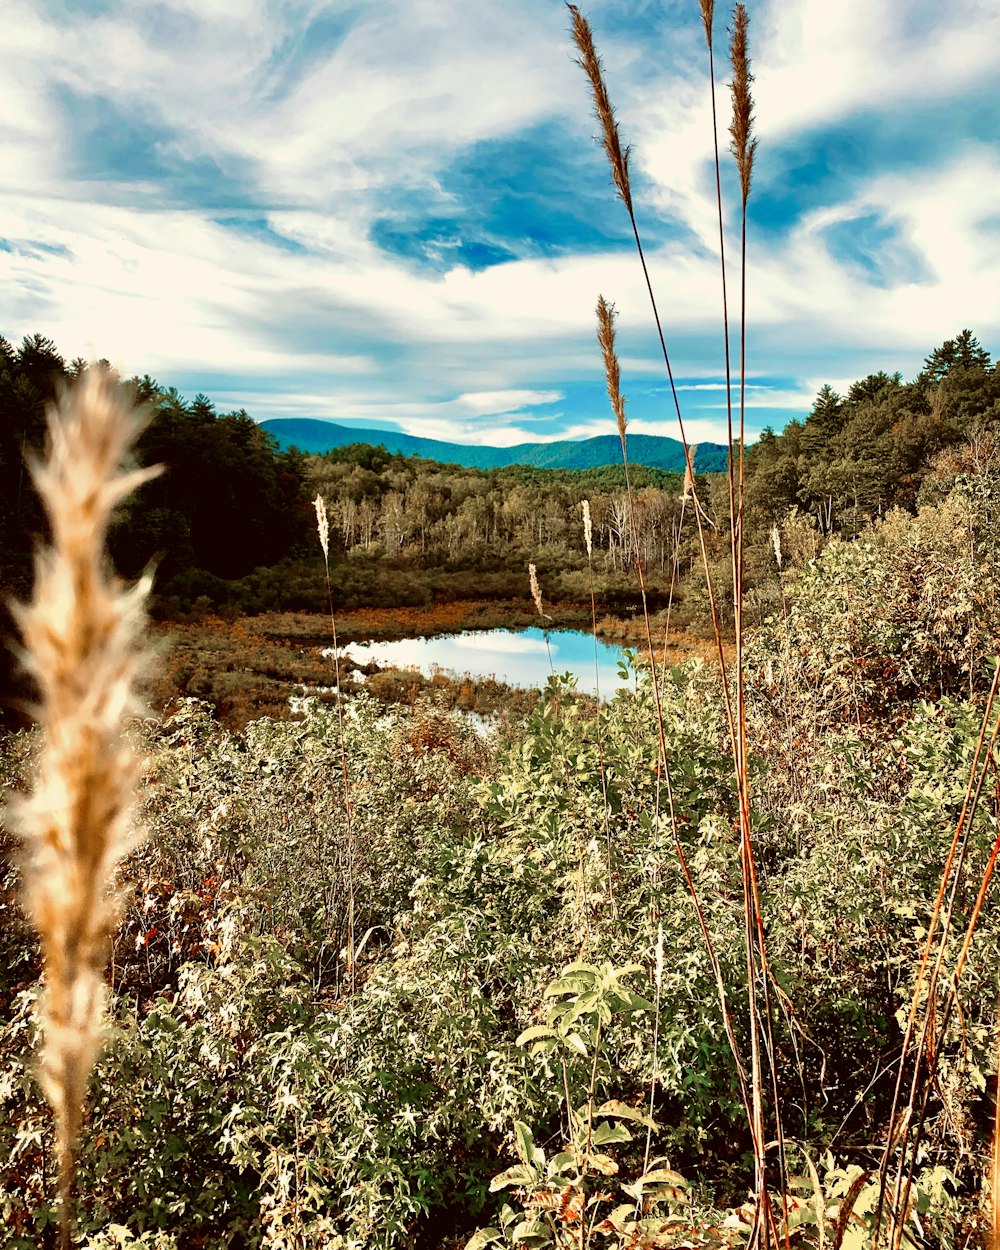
963 352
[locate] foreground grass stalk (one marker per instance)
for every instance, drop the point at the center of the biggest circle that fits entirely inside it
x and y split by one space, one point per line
618 160
930 1048
588 538
744 148
994 1240
900 1118
323 529
82 645
606 338
707 17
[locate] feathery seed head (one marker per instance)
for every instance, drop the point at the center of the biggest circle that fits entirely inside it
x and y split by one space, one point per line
322 525
82 646
776 542
588 530
536 592
688 483
612 370
707 13
590 62
743 146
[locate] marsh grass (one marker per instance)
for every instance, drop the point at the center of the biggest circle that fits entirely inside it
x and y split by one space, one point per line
752 1084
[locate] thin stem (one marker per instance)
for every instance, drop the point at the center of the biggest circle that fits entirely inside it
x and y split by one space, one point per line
345 782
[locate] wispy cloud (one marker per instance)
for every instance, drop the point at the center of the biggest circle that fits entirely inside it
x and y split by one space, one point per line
397 213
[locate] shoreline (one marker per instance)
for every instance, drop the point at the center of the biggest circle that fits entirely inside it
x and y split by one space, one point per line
249 667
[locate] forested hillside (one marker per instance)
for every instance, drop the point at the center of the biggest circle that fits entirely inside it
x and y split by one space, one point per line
654 452
229 524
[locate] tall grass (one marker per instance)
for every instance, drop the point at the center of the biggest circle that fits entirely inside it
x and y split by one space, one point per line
752 1085
926 1025
323 533
82 646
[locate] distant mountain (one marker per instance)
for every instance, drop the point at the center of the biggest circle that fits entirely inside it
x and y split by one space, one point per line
316 436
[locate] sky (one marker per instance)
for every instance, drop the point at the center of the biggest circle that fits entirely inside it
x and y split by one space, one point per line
396 213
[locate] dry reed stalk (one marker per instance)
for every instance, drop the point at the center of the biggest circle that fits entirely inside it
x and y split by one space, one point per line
707 14
536 594
655 1076
618 159
588 539
536 590
606 338
932 1049
994 1240
82 645
323 530
612 371
744 147
901 1119
590 62
736 718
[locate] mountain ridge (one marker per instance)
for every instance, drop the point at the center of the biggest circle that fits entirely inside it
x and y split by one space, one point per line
317 435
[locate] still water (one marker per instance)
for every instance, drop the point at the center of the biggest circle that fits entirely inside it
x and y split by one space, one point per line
525 658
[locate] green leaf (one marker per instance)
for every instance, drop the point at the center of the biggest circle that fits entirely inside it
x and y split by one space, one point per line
575 1042
525 1146
519 1174
609 1134
568 985
484 1237
627 970
531 1230
618 1110
536 1031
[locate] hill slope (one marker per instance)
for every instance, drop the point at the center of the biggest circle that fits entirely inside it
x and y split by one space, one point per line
315 436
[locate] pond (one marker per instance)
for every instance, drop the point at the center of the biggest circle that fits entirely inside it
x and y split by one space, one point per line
525 657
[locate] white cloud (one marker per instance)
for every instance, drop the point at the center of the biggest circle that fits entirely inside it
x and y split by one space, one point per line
817 62
334 327
490 403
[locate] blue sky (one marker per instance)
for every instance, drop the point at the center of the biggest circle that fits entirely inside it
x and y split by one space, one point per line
395 213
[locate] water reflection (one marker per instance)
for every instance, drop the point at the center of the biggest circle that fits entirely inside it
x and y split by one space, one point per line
524 658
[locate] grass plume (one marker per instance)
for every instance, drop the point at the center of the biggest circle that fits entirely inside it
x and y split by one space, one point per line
590 62
744 146
82 645
707 15
612 369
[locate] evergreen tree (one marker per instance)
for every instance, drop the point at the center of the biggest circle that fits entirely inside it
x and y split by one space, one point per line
963 352
873 386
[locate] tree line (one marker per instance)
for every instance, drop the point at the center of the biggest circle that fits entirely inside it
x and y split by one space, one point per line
230 524
407 508
879 446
